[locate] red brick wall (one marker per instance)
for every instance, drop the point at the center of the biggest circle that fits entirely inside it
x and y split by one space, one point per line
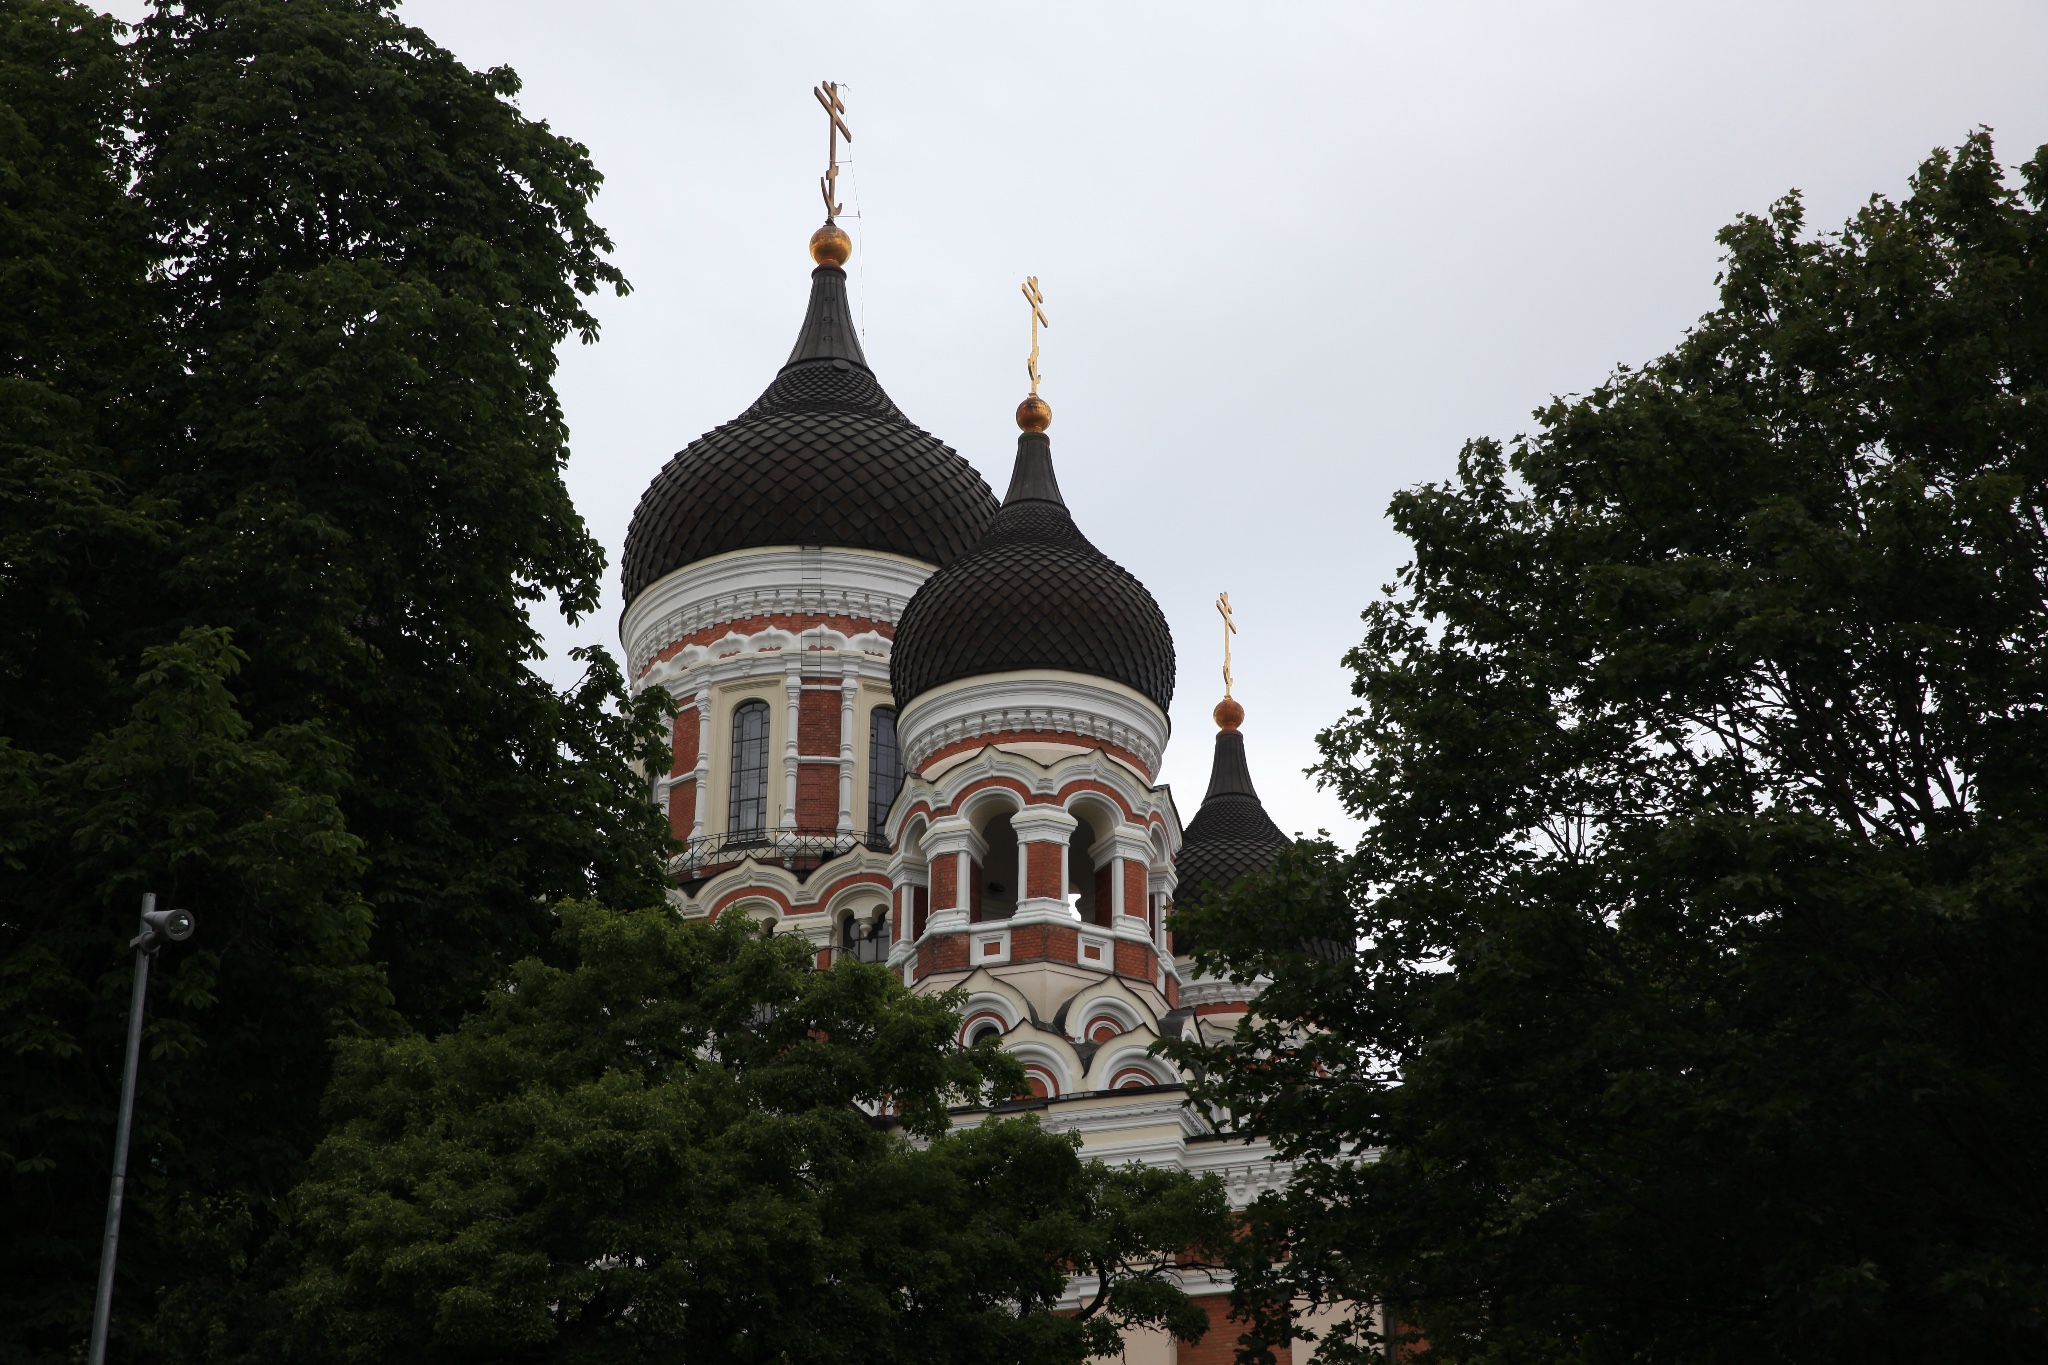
946 953
1042 869
684 748
817 723
817 796
1133 959
1038 941
682 808
1136 882
945 881
1218 1345
1104 910
920 909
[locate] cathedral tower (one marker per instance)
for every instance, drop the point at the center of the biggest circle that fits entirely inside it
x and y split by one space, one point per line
765 571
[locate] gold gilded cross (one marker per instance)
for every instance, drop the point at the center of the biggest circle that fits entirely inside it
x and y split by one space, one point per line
1229 629
835 110
1037 302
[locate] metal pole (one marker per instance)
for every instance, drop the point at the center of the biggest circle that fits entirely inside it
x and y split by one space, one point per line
103 1305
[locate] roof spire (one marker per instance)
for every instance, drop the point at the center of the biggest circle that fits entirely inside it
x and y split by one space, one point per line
1034 413
829 244
1229 715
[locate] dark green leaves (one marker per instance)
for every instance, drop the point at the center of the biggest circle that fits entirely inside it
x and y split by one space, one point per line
1702 750
670 1147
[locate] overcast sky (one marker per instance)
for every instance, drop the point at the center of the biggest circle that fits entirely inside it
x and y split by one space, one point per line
1293 255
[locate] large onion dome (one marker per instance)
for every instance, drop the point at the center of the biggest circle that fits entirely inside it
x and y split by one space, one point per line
1231 836
822 458
1033 595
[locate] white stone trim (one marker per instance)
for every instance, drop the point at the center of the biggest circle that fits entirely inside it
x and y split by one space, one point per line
1056 702
770 581
1216 990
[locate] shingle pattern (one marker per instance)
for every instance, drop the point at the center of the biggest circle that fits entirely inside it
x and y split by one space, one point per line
823 457
1034 594
1231 836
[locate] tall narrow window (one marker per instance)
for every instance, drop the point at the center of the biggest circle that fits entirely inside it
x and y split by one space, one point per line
748 811
885 767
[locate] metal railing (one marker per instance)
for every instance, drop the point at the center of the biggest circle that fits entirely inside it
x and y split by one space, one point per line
801 851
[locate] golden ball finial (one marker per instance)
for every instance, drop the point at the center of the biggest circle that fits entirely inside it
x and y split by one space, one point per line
830 245
1229 715
1034 414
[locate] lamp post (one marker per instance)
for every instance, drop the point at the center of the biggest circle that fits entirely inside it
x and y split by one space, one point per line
158 926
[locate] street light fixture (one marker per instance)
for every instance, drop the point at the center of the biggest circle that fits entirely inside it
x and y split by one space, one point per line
158 927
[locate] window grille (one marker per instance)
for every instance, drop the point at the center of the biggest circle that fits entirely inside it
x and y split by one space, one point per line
885 767
748 811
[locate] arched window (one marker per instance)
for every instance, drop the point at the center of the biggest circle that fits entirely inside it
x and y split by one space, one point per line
748 811
885 767
866 942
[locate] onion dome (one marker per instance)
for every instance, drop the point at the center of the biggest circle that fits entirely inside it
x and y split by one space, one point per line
1231 836
1033 595
821 458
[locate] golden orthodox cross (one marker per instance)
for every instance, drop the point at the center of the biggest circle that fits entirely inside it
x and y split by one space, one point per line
1229 629
1037 302
835 110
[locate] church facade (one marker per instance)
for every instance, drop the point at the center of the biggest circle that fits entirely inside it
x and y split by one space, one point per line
922 727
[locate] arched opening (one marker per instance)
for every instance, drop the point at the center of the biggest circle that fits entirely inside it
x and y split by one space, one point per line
1001 876
747 808
1087 878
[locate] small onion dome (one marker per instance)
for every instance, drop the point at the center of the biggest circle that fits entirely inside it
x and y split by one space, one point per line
822 458
1231 836
1033 595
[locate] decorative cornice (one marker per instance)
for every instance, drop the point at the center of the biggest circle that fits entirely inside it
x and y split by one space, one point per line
1215 990
783 580
1046 703
773 650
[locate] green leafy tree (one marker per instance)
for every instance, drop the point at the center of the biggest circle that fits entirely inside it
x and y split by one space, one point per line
666 1147
280 482
1702 917
376 257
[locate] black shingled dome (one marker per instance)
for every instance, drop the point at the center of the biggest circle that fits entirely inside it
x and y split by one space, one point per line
1231 836
1034 594
822 458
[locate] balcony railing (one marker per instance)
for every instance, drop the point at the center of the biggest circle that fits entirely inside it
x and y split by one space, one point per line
801 851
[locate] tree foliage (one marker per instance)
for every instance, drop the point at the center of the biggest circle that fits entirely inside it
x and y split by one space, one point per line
1702 902
281 284
666 1147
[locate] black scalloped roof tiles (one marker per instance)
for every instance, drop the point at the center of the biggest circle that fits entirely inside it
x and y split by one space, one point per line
1231 836
1034 594
821 458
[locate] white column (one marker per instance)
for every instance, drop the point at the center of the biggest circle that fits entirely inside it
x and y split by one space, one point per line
953 837
1122 846
849 689
906 874
793 686
1041 825
703 777
1161 882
